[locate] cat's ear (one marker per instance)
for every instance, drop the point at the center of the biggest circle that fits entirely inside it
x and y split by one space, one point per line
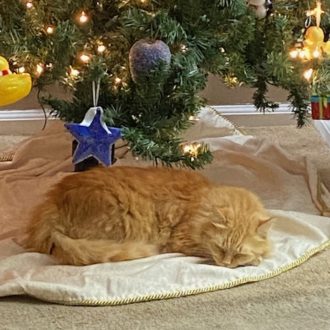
264 224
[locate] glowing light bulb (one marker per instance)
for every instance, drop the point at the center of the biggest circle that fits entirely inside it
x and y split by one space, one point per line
186 149
83 18
74 72
50 29
40 69
184 48
316 53
29 5
84 58
101 48
308 74
192 149
117 80
294 53
302 54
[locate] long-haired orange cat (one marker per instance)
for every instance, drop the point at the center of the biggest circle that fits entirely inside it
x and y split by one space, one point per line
124 213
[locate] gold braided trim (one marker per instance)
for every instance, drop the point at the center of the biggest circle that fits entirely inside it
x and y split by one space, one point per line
175 294
6 156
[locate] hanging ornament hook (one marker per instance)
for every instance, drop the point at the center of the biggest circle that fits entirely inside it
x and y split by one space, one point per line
308 22
96 91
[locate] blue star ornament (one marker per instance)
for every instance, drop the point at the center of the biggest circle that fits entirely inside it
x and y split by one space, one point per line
94 137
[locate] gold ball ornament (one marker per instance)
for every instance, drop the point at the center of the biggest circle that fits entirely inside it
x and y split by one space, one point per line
326 47
13 87
306 53
314 36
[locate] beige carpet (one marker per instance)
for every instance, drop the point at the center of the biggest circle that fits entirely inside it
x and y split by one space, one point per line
298 299
305 141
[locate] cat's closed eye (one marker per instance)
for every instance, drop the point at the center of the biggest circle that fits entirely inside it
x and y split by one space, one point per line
232 259
241 259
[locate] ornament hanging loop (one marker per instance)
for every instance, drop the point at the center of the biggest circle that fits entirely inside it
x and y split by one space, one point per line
96 91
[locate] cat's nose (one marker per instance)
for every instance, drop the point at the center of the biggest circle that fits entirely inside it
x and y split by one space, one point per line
227 260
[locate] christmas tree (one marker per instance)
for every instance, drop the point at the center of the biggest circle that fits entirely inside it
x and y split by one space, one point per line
152 57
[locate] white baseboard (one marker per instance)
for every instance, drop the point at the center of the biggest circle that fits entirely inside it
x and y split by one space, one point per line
323 127
230 110
250 109
18 115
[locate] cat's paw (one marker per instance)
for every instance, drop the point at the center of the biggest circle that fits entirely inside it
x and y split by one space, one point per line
255 262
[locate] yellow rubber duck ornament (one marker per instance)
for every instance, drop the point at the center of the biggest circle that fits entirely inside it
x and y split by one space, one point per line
13 87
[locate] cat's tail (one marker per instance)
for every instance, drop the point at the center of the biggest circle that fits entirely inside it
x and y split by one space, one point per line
88 251
39 229
46 235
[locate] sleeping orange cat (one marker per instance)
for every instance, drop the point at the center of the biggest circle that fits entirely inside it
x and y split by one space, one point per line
124 213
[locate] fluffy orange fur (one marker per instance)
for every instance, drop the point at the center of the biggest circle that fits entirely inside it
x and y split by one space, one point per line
124 213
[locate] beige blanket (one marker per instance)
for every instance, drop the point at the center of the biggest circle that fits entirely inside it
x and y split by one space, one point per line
282 182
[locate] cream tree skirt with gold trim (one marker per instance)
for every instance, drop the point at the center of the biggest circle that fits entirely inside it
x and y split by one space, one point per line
283 182
295 238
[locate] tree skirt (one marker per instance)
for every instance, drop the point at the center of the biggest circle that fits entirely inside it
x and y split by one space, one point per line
285 184
295 238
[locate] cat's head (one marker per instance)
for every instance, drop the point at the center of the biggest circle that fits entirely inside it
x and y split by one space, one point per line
237 232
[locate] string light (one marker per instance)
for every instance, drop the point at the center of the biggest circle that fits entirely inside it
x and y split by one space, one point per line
101 48
193 118
85 58
50 29
40 69
83 18
74 72
29 5
294 53
316 53
231 81
308 74
184 48
192 150
302 54
21 69
118 81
